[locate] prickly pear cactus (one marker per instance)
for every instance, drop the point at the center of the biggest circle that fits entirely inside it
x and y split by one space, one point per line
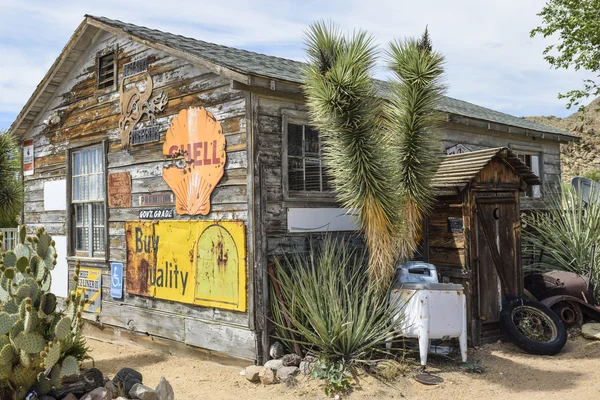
39 345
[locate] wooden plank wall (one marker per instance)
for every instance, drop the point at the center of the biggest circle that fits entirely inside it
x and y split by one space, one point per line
478 139
90 116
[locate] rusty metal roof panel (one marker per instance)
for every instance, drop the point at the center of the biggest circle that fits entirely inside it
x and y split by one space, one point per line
458 170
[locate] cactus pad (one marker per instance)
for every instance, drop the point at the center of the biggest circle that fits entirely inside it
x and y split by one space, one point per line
48 303
43 244
31 342
32 321
62 328
22 250
7 355
69 367
7 321
22 264
52 355
10 259
24 359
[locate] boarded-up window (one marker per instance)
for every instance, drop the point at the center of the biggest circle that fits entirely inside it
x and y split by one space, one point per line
306 172
106 71
533 162
88 201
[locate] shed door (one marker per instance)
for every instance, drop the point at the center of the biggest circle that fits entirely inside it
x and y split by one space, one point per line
498 241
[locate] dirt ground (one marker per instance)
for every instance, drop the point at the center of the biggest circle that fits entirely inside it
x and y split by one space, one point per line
510 374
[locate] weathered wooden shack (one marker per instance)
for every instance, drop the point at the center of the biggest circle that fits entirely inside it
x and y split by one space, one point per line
473 235
173 168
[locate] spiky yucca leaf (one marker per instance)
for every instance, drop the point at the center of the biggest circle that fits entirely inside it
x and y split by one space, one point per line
11 191
411 118
562 236
344 107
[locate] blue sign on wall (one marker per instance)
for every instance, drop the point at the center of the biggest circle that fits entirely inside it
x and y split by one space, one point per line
116 280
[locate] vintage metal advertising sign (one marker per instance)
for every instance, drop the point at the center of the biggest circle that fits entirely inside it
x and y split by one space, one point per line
196 146
158 213
458 148
194 262
145 135
119 189
28 157
90 284
156 199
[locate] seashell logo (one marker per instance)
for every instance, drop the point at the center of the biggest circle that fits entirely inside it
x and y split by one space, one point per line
196 146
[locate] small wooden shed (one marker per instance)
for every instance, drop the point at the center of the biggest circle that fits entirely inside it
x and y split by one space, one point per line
473 234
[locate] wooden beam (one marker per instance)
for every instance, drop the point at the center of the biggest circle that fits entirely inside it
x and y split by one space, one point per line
264 91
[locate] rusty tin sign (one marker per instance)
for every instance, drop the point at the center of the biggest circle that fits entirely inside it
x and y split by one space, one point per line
119 189
195 144
194 262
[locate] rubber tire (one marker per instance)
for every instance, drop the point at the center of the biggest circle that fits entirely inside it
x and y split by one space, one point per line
523 342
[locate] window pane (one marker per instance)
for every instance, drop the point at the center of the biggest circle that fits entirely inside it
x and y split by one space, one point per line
294 140
296 180
311 142
313 176
98 224
81 230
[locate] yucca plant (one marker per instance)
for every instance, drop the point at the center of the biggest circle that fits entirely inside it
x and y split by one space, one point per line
380 153
563 236
11 190
331 307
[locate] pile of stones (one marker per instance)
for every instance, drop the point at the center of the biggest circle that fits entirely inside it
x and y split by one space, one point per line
282 368
91 384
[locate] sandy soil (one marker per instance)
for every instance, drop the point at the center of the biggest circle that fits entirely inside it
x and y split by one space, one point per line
510 374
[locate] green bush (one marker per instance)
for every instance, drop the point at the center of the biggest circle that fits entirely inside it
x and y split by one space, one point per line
562 236
39 345
330 307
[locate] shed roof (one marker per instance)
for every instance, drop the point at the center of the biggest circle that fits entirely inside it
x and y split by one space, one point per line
458 170
239 64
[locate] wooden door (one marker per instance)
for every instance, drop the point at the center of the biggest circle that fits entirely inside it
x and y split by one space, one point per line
498 269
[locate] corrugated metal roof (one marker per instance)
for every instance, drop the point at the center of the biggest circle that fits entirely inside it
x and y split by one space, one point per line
457 170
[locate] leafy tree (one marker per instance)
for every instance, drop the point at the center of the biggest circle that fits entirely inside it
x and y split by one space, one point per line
576 24
11 190
379 153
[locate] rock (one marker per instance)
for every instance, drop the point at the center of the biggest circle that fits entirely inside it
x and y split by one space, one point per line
284 373
112 388
267 376
88 380
164 390
274 364
46 398
252 373
70 396
276 351
98 394
126 378
291 360
243 372
591 331
139 391
306 367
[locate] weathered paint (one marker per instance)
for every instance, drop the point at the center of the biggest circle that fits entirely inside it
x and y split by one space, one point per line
196 144
119 189
90 284
194 262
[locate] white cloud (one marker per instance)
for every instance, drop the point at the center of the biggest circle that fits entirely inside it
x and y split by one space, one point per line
491 60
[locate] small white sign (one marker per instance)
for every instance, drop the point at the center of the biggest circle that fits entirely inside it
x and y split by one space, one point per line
28 157
321 220
60 273
458 148
55 195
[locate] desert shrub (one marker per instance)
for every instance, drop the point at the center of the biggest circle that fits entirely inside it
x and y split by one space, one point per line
335 374
329 305
563 236
39 345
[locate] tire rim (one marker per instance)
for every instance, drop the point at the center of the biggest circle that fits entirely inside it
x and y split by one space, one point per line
534 324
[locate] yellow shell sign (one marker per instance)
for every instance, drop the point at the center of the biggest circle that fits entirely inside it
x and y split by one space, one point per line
195 262
196 144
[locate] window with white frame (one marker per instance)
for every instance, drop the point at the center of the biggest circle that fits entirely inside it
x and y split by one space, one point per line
89 221
532 160
306 173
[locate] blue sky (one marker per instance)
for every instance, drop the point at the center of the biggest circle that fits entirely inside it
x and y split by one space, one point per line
491 60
